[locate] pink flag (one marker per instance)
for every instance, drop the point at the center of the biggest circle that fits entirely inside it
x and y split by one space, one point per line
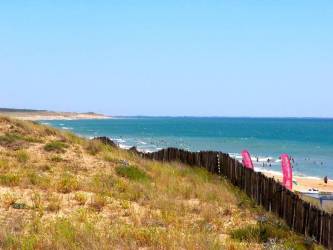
287 171
247 161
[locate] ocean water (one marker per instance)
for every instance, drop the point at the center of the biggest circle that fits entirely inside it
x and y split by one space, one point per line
308 141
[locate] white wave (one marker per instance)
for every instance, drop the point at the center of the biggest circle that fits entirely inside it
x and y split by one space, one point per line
119 140
272 172
123 146
66 128
235 155
142 142
143 150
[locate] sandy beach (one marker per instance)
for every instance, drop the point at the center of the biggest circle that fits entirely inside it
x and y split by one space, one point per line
48 115
305 183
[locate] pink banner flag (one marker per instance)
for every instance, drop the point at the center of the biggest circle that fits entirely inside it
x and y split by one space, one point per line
287 171
247 161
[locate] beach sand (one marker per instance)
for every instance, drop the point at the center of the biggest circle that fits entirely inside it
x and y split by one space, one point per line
35 116
306 183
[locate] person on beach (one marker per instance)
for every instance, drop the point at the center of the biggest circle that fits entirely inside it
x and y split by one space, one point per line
325 179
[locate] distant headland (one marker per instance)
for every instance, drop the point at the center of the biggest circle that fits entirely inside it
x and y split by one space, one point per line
34 115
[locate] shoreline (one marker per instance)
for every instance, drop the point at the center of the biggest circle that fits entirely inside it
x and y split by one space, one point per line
49 116
304 183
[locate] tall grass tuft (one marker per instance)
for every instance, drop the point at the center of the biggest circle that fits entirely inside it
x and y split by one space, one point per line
22 156
67 183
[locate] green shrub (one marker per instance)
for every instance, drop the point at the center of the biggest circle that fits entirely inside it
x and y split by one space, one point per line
259 233
39 180
9 138
132 173
56 158
9 179
56 146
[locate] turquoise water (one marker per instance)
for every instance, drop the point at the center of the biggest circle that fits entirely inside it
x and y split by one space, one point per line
308 141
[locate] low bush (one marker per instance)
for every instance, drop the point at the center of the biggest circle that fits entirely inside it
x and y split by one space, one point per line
31 177
56 158
9 138
56 146
259 233
132 173
9 179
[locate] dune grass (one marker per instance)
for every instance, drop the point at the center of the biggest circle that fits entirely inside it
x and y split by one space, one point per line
66 192
56 146
132 173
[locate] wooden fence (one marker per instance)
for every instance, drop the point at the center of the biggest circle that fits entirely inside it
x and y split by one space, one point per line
299 215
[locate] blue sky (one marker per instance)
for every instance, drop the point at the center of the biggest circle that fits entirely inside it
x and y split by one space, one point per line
205 58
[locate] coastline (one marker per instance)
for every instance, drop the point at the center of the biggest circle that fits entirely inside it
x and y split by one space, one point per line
300 183
37 116
304 183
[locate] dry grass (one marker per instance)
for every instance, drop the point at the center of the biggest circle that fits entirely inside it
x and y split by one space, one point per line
59 191
81 198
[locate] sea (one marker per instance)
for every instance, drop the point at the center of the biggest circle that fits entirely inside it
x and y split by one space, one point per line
308 141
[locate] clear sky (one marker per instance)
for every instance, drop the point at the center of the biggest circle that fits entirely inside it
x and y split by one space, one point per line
205 58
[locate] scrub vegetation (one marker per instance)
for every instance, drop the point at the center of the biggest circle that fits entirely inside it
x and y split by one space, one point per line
59 191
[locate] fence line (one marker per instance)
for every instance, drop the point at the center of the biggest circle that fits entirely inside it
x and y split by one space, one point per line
300 216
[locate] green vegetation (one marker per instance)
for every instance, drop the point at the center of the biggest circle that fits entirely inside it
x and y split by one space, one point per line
95 197
56 146
9 138
67 183
272 234
13 138
22 156
9 179
132 173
